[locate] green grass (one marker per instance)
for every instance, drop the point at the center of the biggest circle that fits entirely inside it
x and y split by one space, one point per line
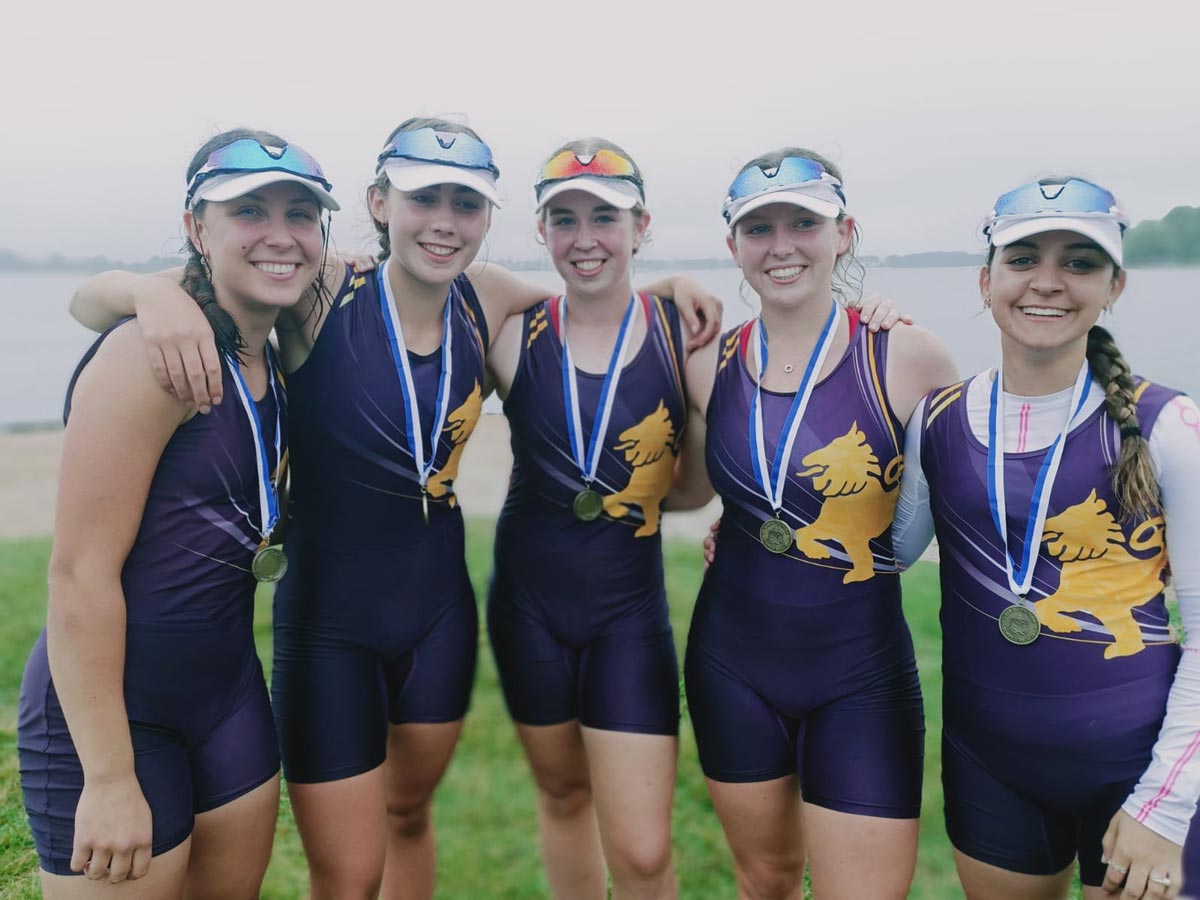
486 824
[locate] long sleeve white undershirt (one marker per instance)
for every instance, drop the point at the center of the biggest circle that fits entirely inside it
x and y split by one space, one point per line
1166 796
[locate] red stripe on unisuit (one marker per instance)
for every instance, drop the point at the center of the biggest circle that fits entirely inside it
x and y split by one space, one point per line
1023 430
1151 805
744 339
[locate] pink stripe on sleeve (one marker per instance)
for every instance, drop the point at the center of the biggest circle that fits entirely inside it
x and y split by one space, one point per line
1151 805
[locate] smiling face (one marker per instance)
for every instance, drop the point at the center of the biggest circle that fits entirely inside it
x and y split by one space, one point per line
435 232
264 247
1047 290
787 254
591 242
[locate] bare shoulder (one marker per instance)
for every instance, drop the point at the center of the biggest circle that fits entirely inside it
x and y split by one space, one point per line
505 353
918 361
701 369
119 377
914 347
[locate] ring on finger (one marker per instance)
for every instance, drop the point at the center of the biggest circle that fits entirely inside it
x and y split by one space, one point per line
1164 880
1118 868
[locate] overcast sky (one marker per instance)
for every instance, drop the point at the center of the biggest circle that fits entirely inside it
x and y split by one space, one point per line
931 107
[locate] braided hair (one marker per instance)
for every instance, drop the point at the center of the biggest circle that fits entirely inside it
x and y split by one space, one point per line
1134 481
1133 478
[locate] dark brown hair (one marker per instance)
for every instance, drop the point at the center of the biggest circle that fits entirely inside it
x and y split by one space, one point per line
197 278
1133 478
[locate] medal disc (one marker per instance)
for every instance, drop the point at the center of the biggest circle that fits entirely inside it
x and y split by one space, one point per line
270 563
775 535
1020 625
587 505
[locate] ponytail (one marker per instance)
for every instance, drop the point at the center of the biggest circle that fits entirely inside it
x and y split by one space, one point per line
1134 481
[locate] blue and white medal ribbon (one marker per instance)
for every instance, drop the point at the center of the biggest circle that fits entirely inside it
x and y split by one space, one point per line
1020 573
408 389
269 562
772 479
588 504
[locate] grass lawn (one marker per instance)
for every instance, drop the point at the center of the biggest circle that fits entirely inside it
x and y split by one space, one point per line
486 826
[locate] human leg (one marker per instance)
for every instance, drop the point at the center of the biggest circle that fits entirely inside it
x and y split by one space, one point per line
418 754
342 826
762 825
231 846
164 880
853 856
633 782
567 826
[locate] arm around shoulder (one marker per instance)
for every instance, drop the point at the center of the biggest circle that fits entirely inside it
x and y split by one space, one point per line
502 293
109 296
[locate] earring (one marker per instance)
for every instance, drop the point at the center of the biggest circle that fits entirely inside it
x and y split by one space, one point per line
207 266
987 301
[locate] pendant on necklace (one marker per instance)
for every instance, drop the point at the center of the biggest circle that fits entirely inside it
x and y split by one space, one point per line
787 367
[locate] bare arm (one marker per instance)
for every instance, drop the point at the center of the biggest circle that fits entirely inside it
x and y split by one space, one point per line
121 420
692 488
502 294
700 310
917 363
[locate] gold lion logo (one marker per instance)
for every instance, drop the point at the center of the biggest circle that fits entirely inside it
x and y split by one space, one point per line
649 447
460 423
1099 576
859 501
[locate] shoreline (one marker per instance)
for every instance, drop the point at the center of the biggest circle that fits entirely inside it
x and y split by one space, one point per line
31 453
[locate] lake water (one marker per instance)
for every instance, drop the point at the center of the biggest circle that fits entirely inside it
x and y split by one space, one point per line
41 345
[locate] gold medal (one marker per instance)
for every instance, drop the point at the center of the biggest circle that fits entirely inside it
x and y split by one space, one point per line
776 535
1019 625
270 563
587 505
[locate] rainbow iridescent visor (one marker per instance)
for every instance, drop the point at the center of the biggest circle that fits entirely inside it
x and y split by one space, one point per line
242 166
605 174
1074 205
424 157
797 180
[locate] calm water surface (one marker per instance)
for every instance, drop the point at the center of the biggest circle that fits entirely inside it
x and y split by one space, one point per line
1152 322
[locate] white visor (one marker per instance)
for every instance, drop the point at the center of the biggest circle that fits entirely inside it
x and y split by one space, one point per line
413 174
618 192
220 188
818 197
1105 230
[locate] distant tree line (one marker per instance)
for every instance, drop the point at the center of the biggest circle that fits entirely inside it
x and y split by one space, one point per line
57 262
1173 240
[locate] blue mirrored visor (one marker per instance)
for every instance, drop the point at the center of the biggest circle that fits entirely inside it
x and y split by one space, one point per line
449 148
792 170
1071 197
248 155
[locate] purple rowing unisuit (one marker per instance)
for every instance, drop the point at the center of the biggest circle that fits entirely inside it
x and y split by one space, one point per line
375 621
577 611
802 661
197 704
1042 743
